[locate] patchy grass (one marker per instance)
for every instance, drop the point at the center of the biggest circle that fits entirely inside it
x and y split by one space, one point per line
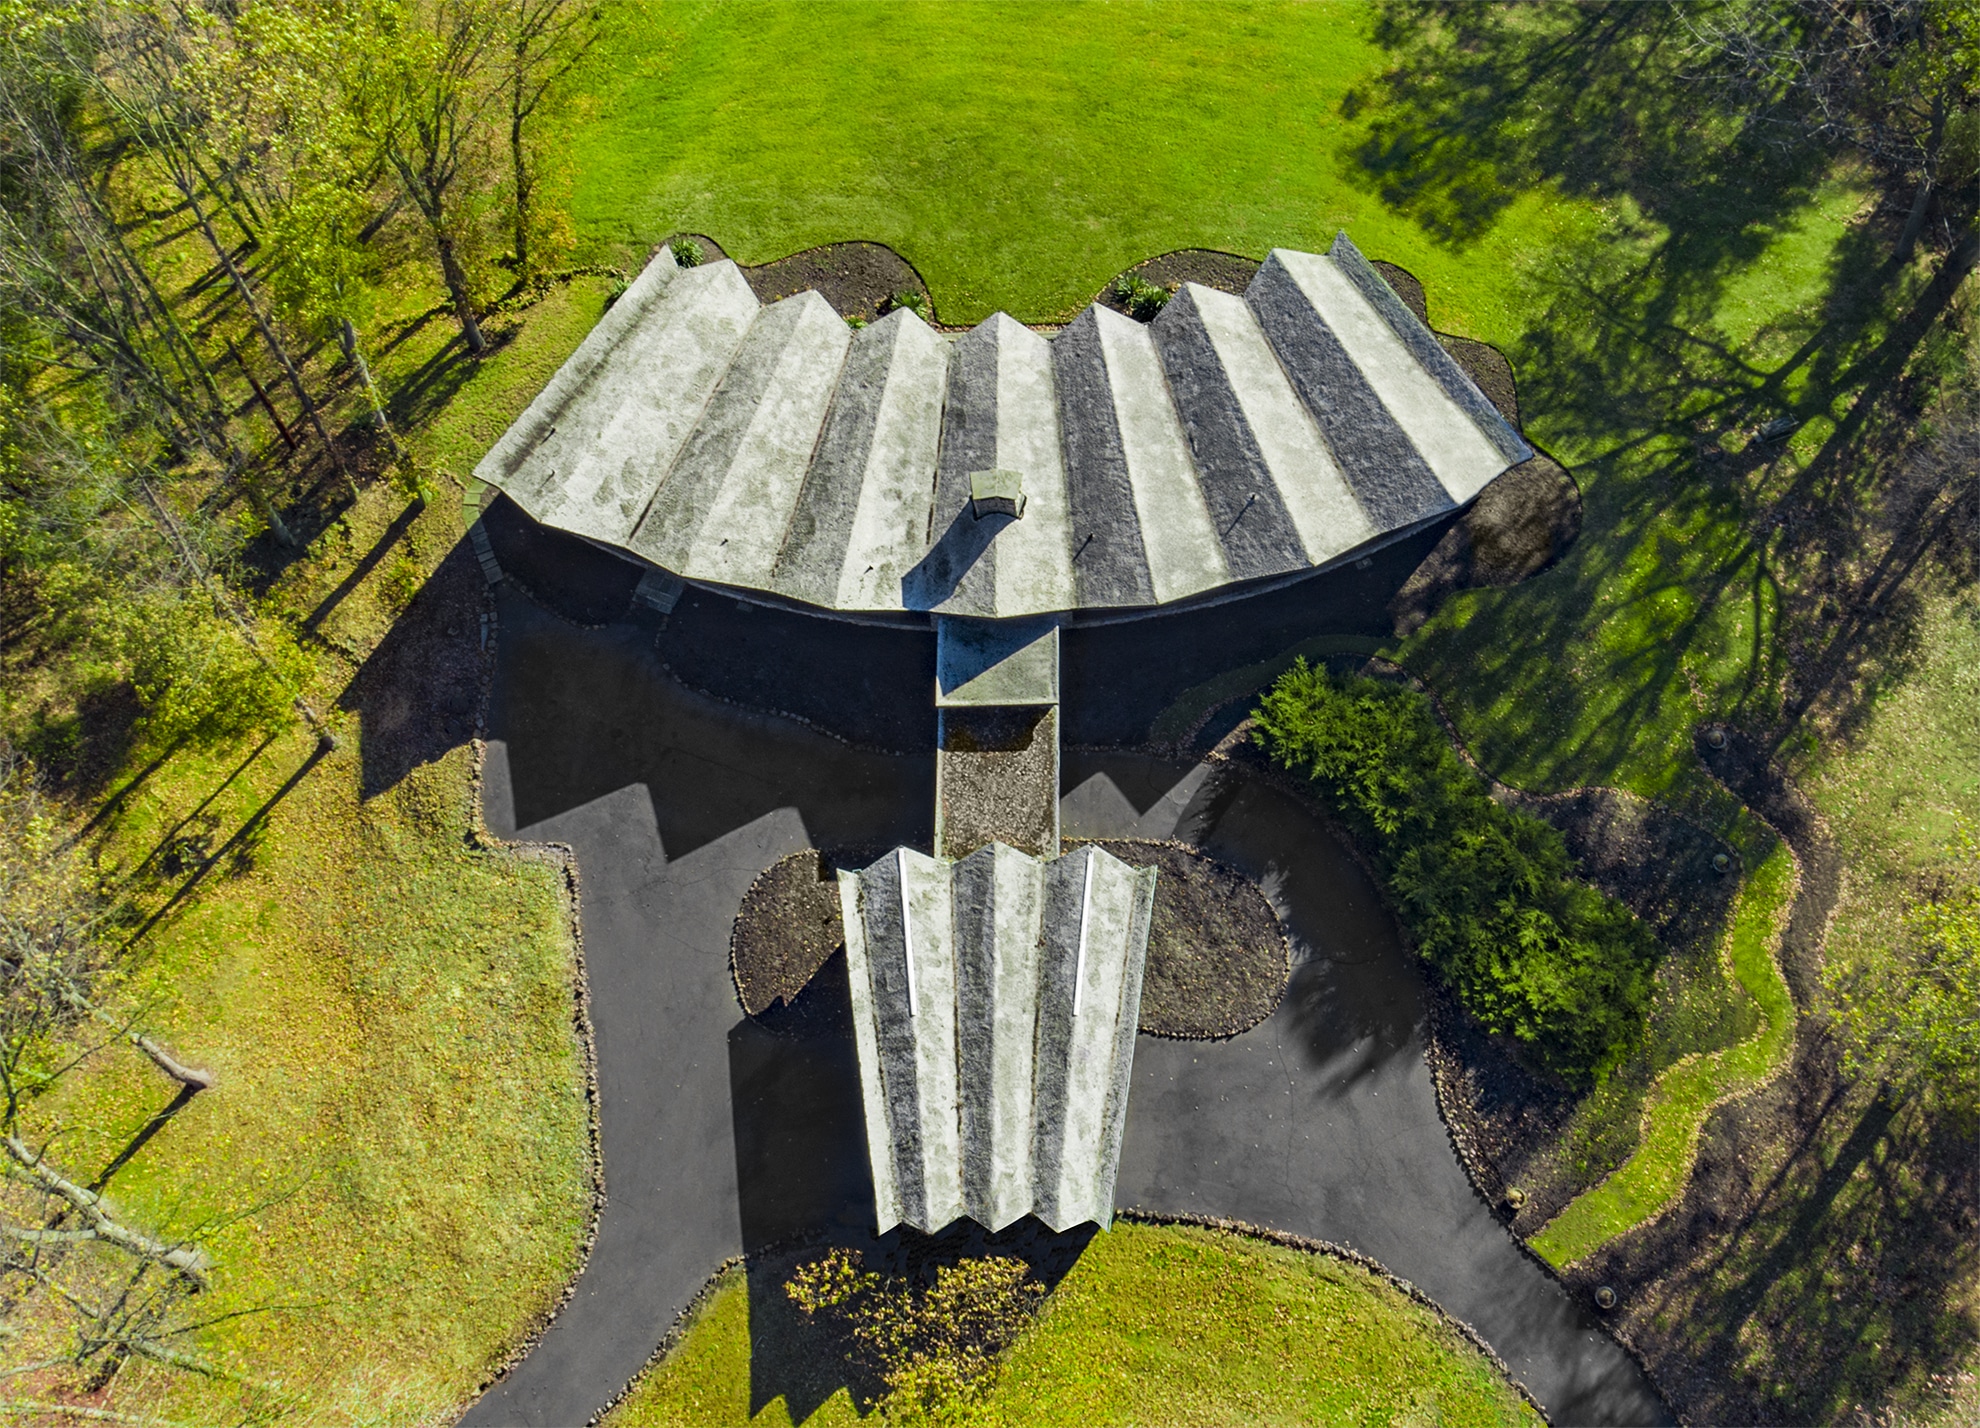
1166 1324
393 1170
1677 1104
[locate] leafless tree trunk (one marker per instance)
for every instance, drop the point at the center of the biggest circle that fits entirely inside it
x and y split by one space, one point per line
547 38
436 130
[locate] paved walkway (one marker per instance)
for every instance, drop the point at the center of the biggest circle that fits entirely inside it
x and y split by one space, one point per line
720 1135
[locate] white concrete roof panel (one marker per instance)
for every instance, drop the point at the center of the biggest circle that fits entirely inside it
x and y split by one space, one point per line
929 911
1034 554
744 530
563 402
890 518
1463 457
690 335
1183 553
1317 498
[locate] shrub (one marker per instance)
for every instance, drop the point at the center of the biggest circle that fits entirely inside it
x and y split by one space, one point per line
1909 1013
1140 297
688 253
1488 893
199 679
935 1346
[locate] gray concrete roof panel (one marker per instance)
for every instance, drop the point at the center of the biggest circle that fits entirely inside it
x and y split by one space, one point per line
1232 440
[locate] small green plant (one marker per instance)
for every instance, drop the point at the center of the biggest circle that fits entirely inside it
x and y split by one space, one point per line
1141 298
616 291
1910 1015
855 322
915 302
1488 894
935 1346
688 253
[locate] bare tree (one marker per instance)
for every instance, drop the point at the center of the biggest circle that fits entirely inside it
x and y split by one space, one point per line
437 55
1896 80
546 40
140 61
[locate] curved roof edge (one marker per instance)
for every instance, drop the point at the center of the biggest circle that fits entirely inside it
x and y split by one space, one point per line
1109 472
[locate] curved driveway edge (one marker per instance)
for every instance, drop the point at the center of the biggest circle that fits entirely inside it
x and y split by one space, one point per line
721 1135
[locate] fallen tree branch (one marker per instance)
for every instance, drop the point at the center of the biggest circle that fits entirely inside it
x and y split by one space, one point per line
192 1077
188 1260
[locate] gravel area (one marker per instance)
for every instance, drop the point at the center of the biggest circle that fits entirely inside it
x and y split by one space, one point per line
998 780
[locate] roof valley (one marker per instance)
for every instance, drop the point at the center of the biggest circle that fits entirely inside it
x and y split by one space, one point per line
1235 438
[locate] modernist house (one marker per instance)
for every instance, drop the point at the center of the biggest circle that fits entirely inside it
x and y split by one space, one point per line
1001 484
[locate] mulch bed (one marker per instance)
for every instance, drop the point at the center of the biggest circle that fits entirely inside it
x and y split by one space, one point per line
1518 526
1218 961
1227 272
1508 1119
858 279
787 928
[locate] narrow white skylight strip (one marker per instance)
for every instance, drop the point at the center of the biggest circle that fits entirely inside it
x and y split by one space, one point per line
1085 915
907 927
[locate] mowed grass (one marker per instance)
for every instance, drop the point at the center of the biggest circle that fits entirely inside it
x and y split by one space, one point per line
1157 1324
1556 186
1019 155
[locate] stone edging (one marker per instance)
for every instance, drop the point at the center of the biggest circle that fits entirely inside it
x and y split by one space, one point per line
562 856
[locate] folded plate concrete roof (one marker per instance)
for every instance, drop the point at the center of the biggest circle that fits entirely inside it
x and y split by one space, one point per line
994 1008
1234 439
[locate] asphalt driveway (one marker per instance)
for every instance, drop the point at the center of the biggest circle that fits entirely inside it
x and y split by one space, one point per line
721 1135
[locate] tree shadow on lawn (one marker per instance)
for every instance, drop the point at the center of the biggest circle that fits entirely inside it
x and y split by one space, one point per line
1719 578
418 692
1688 595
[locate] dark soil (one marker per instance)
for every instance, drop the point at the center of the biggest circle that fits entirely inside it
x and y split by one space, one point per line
1227 272
1518 526
1823 1215
1218 961
787 928
1508 1119
999 780
859 279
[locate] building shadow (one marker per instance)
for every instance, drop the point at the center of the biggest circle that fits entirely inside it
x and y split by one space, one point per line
566 574
418 695
804 1186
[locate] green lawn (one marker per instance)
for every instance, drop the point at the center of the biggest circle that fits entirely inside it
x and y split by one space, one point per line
388 1005
393 1168
1019 155
1155 1324
1660 277
1677 1104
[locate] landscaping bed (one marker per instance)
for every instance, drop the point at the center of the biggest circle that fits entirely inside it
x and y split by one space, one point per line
786 929
1218 961
859 279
